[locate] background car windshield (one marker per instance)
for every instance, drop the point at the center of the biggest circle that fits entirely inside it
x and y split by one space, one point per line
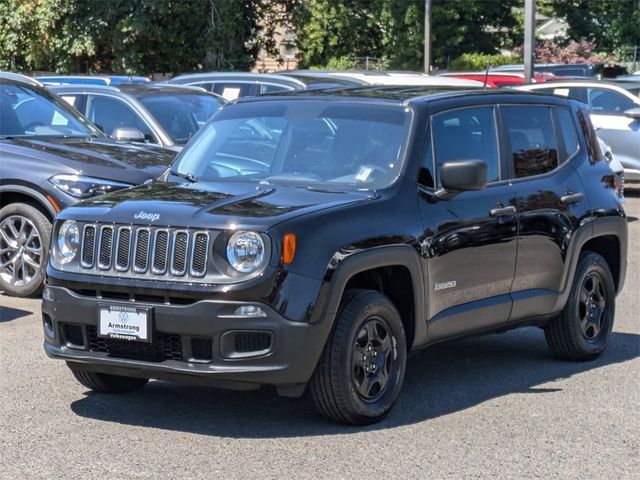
343 145
27 112
181 116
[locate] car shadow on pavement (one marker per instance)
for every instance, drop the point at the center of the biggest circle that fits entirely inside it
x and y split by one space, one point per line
8 314
441 380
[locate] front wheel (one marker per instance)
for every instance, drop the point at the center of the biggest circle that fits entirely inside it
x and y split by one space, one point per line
105 383
24 242
361 370
582 329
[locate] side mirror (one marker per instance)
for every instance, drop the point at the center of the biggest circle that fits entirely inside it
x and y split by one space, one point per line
128 134
462 175
633 113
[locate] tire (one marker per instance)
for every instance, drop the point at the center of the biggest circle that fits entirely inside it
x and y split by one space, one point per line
25 234
577 334
105 383
352 384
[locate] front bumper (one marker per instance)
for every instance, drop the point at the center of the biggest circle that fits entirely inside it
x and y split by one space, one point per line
287 360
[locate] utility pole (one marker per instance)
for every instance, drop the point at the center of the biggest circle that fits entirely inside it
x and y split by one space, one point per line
427 36
529 38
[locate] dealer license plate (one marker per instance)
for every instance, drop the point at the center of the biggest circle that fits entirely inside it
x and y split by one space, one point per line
124 323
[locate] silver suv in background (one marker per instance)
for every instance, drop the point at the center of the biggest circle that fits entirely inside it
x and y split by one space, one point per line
615 113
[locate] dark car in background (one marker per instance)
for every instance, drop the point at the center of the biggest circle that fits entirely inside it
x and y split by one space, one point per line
162 114
232 85
52 157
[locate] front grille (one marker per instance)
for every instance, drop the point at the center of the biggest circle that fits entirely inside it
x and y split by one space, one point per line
164 346
145 251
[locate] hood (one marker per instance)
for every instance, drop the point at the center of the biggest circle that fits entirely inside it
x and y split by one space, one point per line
213 205
97 157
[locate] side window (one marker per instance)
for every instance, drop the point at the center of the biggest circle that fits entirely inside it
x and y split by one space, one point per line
467 134
608 102
533 141
232 90
270 88
111 113
568 129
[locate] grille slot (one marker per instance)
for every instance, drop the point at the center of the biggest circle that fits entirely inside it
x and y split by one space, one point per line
199 260
141 260
123 249
179 257
164 346
160 252
88 246
145 251
106 248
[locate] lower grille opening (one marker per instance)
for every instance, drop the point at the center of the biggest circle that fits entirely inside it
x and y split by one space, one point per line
252 341
164 346
202 348
72 335
245 344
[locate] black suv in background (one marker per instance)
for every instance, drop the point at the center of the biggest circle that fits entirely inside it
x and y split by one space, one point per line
360 226
51 157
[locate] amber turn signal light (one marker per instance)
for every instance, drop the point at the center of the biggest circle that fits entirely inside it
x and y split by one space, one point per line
288 248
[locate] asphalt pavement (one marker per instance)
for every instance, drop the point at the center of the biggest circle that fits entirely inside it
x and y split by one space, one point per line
497 406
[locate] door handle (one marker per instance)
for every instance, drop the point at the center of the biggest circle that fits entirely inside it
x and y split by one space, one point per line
570 198
503 211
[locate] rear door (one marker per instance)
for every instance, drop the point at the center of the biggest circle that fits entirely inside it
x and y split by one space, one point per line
550 199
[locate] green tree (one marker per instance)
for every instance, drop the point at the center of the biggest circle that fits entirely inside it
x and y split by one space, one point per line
611 24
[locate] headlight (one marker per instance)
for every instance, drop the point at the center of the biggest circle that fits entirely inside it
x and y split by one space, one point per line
68 241
80 186
245 251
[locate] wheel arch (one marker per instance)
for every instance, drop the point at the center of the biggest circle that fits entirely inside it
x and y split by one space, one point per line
20 194
384 269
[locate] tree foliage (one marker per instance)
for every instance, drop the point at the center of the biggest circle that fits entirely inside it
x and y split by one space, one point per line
130 36
394 30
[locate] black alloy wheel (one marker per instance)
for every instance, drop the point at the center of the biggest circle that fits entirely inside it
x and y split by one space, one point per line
581 331
361 370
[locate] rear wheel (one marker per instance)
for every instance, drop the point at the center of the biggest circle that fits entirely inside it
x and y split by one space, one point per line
105 383
582 330
361 370
25 233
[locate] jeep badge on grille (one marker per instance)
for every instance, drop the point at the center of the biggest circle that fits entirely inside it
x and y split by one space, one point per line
142 215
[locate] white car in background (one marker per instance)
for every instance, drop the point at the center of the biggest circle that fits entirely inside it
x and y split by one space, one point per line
615 114
614 163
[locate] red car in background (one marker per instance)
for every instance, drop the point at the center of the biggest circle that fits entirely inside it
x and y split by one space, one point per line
502 79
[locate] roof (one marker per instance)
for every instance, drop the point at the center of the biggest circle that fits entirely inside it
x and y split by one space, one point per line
91 79
391 94
240 76
137 89
16 77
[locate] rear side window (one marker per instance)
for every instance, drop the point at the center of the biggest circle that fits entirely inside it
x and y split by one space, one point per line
467 134
533 142
568 130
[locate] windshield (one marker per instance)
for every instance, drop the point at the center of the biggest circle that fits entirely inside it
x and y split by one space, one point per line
26 111
181 116
307 142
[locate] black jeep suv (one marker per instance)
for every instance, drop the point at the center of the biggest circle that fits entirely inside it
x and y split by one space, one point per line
50 157
318 238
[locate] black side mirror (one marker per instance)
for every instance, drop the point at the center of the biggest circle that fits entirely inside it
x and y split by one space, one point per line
462 175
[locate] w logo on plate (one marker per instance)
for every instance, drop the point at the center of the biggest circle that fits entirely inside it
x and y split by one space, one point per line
124 317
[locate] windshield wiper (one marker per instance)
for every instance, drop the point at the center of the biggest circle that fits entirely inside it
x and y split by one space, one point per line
190 177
